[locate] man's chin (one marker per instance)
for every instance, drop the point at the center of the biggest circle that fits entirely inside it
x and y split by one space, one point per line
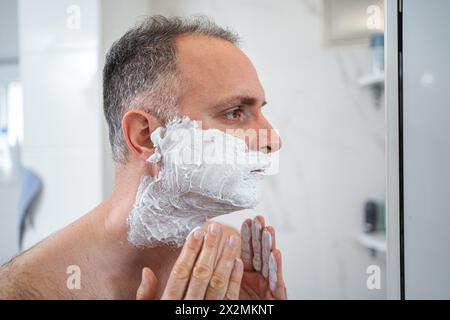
243 199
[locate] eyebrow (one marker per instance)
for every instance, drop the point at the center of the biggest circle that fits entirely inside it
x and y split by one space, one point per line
238 100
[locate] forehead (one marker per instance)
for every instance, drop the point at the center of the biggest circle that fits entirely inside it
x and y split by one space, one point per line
214 68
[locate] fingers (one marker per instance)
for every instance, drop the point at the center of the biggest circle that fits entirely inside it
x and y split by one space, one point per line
181 272
257 227
247 250
234 285
266 248
272 263
218 284
204 266
259 253
276 281
147 288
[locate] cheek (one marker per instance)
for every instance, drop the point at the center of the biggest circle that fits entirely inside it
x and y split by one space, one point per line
210 122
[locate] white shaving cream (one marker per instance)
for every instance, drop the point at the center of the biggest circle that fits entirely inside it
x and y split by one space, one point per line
204 173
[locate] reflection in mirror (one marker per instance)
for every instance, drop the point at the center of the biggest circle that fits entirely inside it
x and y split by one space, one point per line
321 65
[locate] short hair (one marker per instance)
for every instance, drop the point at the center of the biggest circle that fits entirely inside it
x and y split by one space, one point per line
140 71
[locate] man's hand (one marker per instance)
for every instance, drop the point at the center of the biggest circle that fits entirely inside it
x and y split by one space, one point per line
263 278
202 271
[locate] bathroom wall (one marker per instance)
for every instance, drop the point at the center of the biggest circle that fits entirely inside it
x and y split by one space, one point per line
59 50
8 30
9 190
426 152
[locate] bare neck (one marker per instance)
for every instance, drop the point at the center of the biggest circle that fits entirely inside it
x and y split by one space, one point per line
113 213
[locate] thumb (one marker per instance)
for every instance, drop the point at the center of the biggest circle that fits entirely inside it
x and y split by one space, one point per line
147 288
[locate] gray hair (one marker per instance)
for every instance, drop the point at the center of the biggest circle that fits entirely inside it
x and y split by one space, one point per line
140 71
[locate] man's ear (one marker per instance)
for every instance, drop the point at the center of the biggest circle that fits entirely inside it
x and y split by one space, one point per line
137 125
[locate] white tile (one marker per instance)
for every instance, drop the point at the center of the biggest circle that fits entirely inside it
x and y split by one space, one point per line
62 105
58 25
72 185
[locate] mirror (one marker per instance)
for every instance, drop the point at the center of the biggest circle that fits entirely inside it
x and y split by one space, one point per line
321 64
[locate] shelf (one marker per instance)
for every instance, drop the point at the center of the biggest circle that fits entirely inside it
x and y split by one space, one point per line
368 80
375 241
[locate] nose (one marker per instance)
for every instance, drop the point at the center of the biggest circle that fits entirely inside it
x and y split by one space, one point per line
272 143
267 139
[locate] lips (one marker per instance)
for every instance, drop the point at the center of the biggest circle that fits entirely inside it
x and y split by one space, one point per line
259 171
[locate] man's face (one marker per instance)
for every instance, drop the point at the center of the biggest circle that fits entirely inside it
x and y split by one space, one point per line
222 90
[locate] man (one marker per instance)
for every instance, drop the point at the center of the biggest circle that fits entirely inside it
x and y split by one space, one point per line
161 69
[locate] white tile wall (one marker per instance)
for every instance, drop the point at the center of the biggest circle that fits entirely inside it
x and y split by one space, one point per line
71 187
61 99
9 190
48 25
62 107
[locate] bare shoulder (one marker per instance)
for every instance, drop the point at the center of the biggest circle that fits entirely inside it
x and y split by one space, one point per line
15 282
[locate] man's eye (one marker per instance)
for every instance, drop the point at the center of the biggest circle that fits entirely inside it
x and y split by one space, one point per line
235 114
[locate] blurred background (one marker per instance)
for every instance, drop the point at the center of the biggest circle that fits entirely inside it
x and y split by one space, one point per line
321 64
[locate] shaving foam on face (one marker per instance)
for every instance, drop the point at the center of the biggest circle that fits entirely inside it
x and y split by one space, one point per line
204 174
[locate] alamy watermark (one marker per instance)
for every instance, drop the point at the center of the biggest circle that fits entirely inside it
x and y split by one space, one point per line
254 148
73 18
73 281
373 281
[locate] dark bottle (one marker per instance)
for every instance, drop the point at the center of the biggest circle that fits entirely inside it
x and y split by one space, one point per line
370 216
